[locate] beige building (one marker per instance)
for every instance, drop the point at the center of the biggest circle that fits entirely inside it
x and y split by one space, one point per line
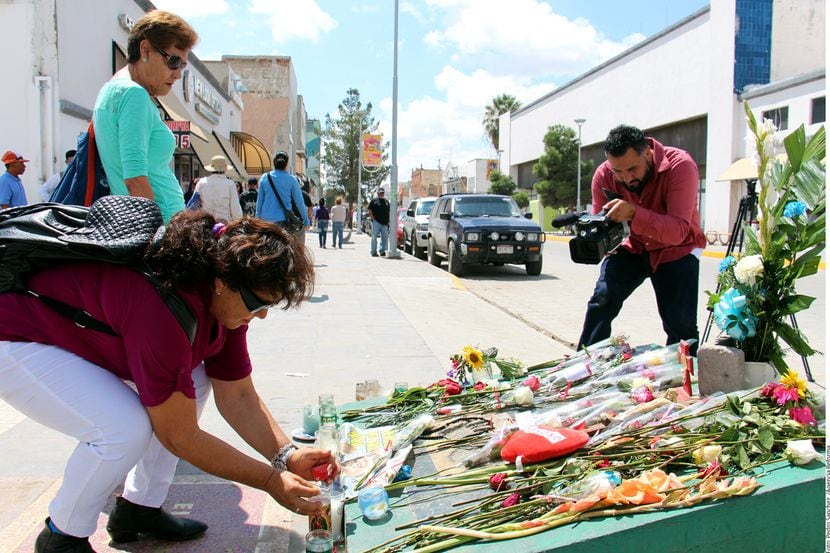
426 182
274 112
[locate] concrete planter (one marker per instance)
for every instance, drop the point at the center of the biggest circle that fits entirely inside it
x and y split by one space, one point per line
758 373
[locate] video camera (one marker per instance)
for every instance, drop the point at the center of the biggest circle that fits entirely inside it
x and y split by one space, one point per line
596 235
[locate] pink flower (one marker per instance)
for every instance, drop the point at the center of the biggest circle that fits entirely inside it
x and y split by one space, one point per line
510 500
714 468
532 382
498 482
769 389
642 394
479 386
803 415
783 394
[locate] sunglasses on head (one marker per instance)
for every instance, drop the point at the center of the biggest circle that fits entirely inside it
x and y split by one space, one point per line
254 303
172 62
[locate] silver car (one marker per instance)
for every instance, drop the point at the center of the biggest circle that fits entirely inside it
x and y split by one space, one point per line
416 226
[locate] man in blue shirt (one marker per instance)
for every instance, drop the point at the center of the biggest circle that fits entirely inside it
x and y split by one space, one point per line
12 193
268 207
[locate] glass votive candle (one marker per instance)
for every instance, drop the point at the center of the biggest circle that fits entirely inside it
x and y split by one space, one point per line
311 419
318 541
401 387
373 502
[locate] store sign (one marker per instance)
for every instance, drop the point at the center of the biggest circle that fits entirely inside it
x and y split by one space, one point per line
180 130
492 167
206 95
126 22
372 150
186 86
202 110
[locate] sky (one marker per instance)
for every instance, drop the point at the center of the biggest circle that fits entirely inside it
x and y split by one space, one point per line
454 56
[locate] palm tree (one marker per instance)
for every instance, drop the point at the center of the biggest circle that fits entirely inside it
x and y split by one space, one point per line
502 103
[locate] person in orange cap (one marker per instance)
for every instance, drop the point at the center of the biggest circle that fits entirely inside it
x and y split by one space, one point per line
12 193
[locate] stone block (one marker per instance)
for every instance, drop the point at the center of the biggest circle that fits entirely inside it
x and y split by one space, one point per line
719 369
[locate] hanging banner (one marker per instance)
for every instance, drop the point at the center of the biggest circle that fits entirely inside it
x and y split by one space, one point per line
492 166
372 150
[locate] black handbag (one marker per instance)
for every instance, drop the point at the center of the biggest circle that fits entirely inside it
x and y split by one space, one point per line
293 221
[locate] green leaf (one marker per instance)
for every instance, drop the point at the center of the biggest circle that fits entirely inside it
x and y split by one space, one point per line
734 405
816 146
743 458
766 438
795 144
794 338
794 304
746 408
750 118
730 434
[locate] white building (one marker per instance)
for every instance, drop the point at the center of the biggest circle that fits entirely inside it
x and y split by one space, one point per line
58 54
684 86
478 174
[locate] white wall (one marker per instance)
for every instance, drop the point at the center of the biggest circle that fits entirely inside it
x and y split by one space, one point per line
804 19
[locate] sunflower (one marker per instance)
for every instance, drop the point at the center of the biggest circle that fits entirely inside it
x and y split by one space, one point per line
792 380
473 357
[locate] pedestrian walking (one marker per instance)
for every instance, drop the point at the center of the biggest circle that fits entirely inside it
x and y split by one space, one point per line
52 182
12 193
322 217
133 399
338 215
218 192
248 198
271 207
379 213
140 164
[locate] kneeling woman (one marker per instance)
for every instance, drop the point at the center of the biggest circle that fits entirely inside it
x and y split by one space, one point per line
133 400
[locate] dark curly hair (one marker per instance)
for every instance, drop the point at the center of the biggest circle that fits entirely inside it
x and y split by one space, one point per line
251 253
623 137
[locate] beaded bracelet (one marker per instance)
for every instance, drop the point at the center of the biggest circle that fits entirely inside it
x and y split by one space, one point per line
280 459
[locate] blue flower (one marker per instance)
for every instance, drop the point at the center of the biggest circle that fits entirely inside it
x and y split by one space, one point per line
732 315
725 263
794 209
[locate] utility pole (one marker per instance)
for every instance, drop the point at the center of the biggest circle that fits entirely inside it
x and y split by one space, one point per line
393 187
579 122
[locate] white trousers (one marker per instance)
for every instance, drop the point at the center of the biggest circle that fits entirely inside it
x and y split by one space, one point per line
71 395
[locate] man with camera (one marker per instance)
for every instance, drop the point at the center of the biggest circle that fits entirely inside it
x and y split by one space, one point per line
655 189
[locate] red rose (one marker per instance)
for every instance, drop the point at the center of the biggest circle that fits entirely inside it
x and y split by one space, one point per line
510 500
479 386
498 481
532 382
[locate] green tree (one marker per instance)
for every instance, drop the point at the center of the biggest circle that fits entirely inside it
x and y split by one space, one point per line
556 169
501 184
522 199
502 103
341 144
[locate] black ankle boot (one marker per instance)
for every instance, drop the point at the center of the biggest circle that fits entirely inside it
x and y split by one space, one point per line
49 542
128 520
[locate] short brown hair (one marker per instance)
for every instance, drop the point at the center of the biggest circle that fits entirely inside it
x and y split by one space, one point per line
163 30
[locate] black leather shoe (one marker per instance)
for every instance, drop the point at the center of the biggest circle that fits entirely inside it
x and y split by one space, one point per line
50 542
128 520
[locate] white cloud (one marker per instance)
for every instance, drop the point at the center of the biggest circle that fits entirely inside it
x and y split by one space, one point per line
298 19
191 9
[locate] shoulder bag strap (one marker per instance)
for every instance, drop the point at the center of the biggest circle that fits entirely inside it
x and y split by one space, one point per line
92 151
279 199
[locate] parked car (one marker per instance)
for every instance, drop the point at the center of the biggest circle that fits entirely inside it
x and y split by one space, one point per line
416 226
483 228
401 215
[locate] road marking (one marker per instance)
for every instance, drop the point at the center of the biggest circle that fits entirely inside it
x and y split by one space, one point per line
456 282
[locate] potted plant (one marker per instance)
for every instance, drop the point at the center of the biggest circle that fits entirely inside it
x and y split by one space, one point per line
758 287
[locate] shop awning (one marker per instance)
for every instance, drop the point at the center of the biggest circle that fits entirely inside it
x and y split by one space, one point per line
231 156
175 110
254 155
206 149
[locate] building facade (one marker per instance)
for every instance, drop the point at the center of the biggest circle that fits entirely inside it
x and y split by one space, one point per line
64 51
685 87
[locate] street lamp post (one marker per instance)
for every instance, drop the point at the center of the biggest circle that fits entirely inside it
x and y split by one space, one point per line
393 177
359 208
579 123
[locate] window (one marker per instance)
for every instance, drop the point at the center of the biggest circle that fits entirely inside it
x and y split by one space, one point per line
817 110
778 116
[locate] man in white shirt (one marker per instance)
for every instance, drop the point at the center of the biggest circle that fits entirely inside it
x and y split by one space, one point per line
338 219
218 193
52 182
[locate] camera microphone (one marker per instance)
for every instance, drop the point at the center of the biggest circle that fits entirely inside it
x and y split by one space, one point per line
566 219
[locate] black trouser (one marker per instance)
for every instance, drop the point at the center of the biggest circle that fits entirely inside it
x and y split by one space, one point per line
675 286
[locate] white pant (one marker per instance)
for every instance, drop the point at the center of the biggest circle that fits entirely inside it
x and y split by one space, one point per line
71 395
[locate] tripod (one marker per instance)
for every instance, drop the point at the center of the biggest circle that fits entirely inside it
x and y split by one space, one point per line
748 213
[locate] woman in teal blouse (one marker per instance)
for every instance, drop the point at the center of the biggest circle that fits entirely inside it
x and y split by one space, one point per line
135 145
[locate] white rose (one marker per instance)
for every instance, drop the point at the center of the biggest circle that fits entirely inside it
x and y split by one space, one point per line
748 268
523 395
801 452
706 454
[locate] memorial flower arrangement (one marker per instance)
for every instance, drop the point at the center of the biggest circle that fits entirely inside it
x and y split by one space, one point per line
758 287
474 365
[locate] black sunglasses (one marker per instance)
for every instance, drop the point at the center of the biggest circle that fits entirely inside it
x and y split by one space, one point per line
254 303
172 62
